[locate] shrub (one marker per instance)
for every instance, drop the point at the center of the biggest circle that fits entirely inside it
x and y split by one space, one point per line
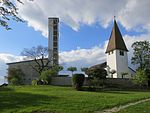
78 80
45 76
14 81
34 82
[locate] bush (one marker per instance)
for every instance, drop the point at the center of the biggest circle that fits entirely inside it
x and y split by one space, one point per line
34 82
78 80
46 75
14 81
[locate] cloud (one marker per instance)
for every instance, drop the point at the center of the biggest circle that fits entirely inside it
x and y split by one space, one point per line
132 14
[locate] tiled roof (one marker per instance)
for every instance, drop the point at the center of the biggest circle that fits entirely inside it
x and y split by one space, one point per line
116 41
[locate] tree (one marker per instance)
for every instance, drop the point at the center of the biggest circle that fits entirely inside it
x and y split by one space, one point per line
96 76
15 76
72 69
141 54
78 80
140 77
39 56
8 11
84 69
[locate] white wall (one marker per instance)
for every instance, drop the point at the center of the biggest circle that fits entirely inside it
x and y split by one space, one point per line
117 62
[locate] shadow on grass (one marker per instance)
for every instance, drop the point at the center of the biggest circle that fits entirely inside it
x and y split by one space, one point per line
114 90
11 100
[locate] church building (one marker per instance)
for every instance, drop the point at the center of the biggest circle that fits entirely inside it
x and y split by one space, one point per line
117 55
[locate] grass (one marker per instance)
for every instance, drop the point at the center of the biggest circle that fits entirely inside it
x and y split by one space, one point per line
139 108
26 99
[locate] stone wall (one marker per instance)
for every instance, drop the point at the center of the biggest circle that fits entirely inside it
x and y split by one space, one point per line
114 82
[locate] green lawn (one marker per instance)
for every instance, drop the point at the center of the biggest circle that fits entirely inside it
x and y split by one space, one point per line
139 108
62 99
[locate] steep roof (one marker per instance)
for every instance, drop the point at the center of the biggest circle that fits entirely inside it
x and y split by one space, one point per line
116 41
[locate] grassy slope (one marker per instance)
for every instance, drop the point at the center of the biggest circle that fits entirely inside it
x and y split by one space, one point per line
62 99
139 108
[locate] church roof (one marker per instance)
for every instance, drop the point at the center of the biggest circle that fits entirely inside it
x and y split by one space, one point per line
116 41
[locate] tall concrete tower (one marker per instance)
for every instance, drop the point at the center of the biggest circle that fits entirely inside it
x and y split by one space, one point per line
53 35
116 51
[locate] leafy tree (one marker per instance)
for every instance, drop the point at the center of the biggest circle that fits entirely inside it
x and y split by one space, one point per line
78 80
8 11
15 76
140 77
39 56
46 75
96 76
141 54
98 73
72 69
84 69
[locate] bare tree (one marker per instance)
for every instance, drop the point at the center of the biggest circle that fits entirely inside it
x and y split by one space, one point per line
39 55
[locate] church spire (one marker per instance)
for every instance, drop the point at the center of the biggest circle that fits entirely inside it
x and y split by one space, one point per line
116 41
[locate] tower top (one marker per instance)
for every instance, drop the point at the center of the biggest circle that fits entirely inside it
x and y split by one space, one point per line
116 41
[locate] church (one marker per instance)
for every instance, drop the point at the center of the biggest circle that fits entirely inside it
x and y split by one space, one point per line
117 56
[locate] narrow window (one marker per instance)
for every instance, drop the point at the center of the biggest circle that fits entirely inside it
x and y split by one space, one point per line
121 53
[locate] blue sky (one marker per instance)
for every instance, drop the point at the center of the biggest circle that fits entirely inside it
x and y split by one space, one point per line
21 36
85 27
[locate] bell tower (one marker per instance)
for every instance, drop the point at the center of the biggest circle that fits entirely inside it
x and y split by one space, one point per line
53 35
117 58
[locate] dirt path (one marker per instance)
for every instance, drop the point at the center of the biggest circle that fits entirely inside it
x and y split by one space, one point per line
116 109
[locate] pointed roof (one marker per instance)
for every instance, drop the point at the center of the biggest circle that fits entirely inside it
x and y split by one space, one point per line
116 41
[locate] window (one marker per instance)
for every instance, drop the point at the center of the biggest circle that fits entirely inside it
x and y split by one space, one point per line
121 53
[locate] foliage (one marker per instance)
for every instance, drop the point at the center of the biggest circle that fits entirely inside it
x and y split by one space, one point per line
46 75
84 69
96 76
15 76
31 99
34 82
78 80
140 78
98 73
8 11
38 54
72 69
141 54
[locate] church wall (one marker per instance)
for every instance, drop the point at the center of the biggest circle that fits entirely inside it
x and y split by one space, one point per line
111 62
122 63
29 73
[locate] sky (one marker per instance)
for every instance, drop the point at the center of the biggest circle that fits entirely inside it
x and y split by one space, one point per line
85 27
